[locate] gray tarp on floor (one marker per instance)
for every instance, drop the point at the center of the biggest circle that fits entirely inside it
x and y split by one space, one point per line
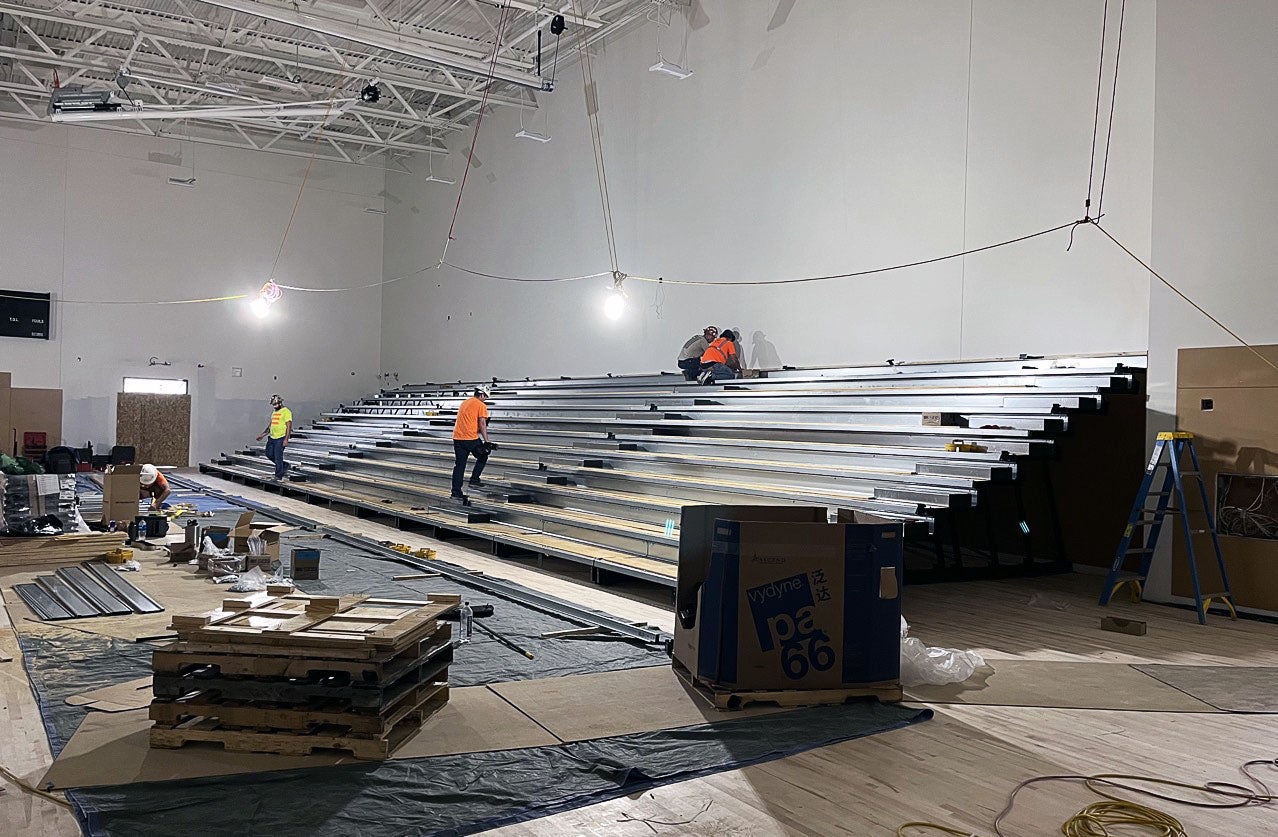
440 795
447 795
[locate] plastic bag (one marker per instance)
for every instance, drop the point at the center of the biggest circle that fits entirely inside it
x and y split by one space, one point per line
256 546
934 666
207 548
78 524
253 581
129 566
1047 602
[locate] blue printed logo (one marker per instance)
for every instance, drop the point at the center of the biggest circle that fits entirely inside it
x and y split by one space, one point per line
783 613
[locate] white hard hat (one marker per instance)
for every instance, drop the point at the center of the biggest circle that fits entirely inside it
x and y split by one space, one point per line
483 390
148 474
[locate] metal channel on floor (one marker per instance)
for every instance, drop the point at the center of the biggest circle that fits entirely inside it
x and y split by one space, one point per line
541 601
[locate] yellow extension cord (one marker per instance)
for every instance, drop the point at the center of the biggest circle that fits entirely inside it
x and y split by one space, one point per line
1096 819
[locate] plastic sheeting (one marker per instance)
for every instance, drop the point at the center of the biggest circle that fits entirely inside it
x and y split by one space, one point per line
61 663
454 795
346 570
922 664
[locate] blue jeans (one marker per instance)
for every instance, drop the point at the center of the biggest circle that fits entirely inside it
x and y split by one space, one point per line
463 450
720 372
275 453
690 368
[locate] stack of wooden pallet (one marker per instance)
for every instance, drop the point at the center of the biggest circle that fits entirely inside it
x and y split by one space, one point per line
59 549
287 673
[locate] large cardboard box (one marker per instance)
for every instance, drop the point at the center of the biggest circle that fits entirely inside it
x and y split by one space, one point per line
787 601
269 533
120 493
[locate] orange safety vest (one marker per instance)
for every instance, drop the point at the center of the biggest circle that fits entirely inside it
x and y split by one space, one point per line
719 351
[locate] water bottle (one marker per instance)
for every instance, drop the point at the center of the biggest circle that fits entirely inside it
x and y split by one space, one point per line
142 529
465 623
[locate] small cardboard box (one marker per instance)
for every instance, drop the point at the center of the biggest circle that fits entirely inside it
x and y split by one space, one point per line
1134 627
787 601
120 493
270 534
265 563
181 553
304 564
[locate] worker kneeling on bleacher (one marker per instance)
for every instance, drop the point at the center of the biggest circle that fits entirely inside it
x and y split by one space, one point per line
470 438
719 361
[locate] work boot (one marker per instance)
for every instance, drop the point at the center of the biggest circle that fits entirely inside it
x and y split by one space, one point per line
457 495
477 483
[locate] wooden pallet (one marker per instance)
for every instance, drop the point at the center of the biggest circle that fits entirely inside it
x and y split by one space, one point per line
19 552
300 691
325 737
180 658
720 698
417 702
354 627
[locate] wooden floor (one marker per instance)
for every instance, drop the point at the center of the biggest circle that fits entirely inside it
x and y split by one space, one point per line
957 768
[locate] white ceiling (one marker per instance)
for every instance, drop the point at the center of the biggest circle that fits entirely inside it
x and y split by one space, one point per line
430 57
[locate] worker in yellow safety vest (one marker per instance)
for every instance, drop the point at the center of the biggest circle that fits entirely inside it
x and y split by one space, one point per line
279 431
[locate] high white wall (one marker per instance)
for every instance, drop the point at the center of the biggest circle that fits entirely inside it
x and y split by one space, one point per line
1215 206
837 137
87 215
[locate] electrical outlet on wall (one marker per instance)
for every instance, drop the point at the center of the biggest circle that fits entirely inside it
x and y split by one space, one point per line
237 372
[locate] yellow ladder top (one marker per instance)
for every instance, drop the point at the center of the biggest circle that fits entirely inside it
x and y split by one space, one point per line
1175 434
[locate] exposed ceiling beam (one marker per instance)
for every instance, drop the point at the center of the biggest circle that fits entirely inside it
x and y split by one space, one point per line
377 38
302 63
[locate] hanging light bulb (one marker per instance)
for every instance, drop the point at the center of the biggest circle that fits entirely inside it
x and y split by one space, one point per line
615 304
266 297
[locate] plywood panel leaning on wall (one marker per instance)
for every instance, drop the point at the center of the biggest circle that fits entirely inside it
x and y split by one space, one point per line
6 381
1227 397
35 411
159 426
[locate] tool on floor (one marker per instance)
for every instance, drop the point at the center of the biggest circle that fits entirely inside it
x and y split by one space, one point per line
502 639
1175 444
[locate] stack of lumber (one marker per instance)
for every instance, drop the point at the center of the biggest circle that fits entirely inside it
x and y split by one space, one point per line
59 549
291 673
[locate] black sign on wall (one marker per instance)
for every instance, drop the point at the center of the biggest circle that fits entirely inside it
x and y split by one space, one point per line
25 314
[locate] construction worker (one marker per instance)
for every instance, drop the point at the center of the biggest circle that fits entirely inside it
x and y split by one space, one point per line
279 431
470 438
152 484
690 356
719 361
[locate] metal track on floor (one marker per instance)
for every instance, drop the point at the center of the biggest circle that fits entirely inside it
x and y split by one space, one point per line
541 601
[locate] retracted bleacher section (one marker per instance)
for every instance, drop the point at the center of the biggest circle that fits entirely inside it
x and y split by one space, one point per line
998 467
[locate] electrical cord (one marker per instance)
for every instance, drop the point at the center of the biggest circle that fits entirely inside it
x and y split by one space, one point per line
1113 95
479 121
588 87
1182 295
1100 74
31 789
1093 820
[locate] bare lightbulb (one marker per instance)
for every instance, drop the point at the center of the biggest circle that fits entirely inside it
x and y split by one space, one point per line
614 306
260 307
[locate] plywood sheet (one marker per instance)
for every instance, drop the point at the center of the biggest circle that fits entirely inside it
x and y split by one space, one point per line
36 410
133 694
1062 685
1228 688
587 706
1227 398
159 426
6 423
1226 366
113 748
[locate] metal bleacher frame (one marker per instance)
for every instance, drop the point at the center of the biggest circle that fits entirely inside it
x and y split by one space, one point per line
596 470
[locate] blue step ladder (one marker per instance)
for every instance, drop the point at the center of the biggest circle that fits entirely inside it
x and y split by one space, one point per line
1175 445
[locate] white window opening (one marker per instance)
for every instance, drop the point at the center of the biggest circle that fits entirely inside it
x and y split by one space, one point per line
156 386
